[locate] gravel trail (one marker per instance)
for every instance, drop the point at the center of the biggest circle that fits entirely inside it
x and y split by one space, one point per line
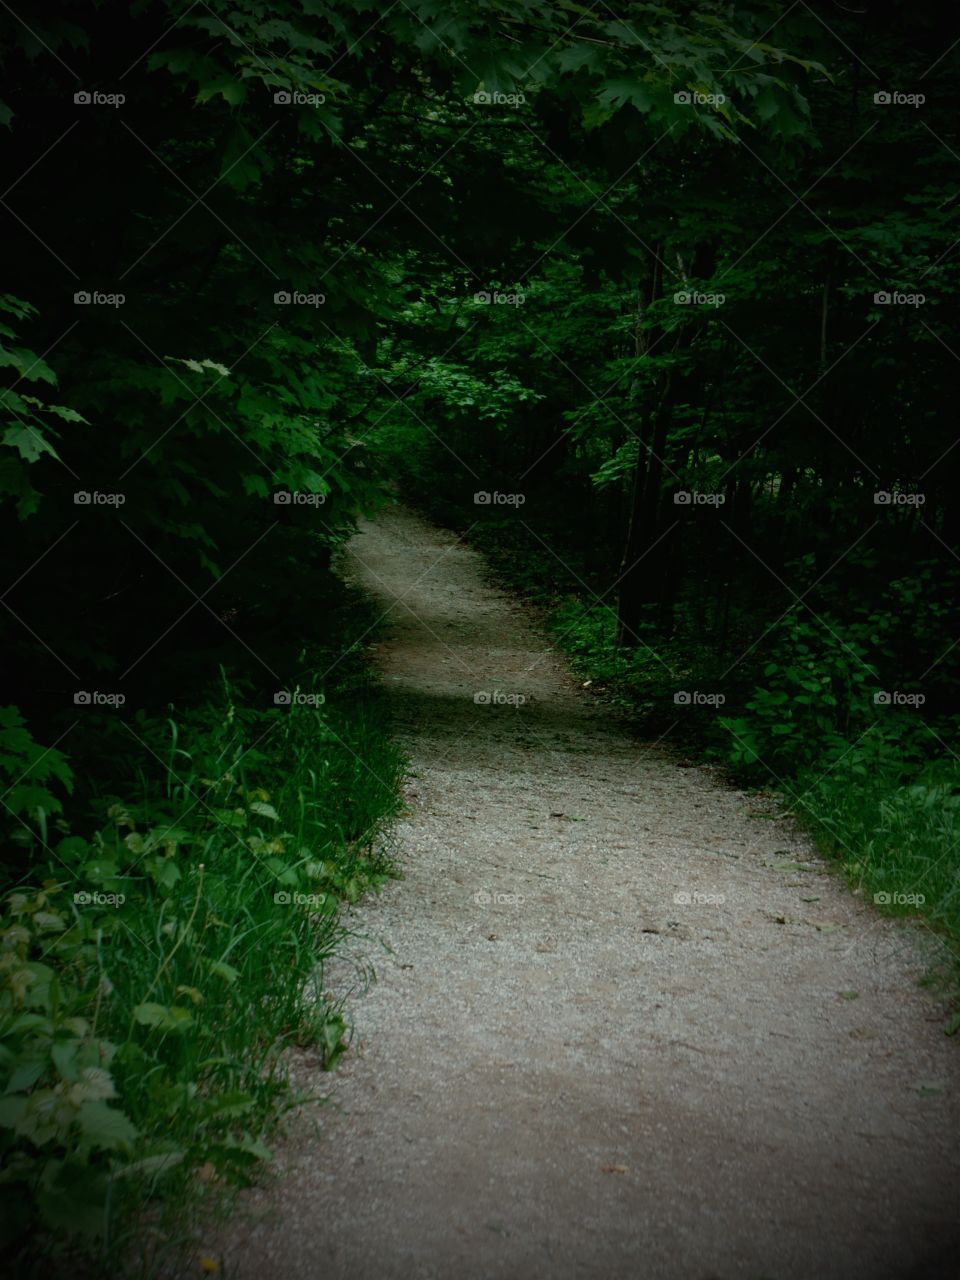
615 1031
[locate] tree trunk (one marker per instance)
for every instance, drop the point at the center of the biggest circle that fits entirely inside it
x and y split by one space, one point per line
645 557
641 565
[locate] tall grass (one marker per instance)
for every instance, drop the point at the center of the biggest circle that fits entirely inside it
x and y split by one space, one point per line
896 839
157 971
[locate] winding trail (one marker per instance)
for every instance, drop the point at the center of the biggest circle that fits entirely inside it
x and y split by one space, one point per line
562 1070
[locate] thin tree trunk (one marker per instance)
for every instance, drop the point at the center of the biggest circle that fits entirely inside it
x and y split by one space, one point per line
638 568
645 559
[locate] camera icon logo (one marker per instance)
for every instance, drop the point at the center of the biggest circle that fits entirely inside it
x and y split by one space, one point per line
682 698
82 899
82 699
682 899
482 298
682 498
481 699
82 299
282 699
683 97
282 898
82 98
482 98
881 299
882 99
481 498
882 498
82 498
282 298
881 698
282 498
482 898
282 98
682 299
882 899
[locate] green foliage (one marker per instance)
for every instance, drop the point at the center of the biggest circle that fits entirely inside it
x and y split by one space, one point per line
27 771
27 423
61 1133
150 990
815 694
893 829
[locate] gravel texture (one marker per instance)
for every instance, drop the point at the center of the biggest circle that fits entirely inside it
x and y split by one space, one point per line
563 1069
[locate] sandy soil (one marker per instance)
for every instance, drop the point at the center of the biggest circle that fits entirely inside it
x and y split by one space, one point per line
615 1032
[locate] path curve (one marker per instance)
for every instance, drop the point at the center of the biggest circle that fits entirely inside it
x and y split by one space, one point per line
562 1071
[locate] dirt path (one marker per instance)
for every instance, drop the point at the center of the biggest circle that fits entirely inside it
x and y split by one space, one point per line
565 1071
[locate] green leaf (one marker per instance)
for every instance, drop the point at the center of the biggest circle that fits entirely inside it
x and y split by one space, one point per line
618 93
12 1110
163 1017
105 1127
225 971
94 1085
28 442
232 92
64 1054
25 1074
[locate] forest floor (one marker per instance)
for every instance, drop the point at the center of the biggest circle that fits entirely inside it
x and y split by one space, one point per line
625 1021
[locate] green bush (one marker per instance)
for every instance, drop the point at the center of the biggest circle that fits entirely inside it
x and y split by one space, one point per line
152 979
816 690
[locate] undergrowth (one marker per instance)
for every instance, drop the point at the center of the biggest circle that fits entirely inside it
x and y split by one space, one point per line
158 963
